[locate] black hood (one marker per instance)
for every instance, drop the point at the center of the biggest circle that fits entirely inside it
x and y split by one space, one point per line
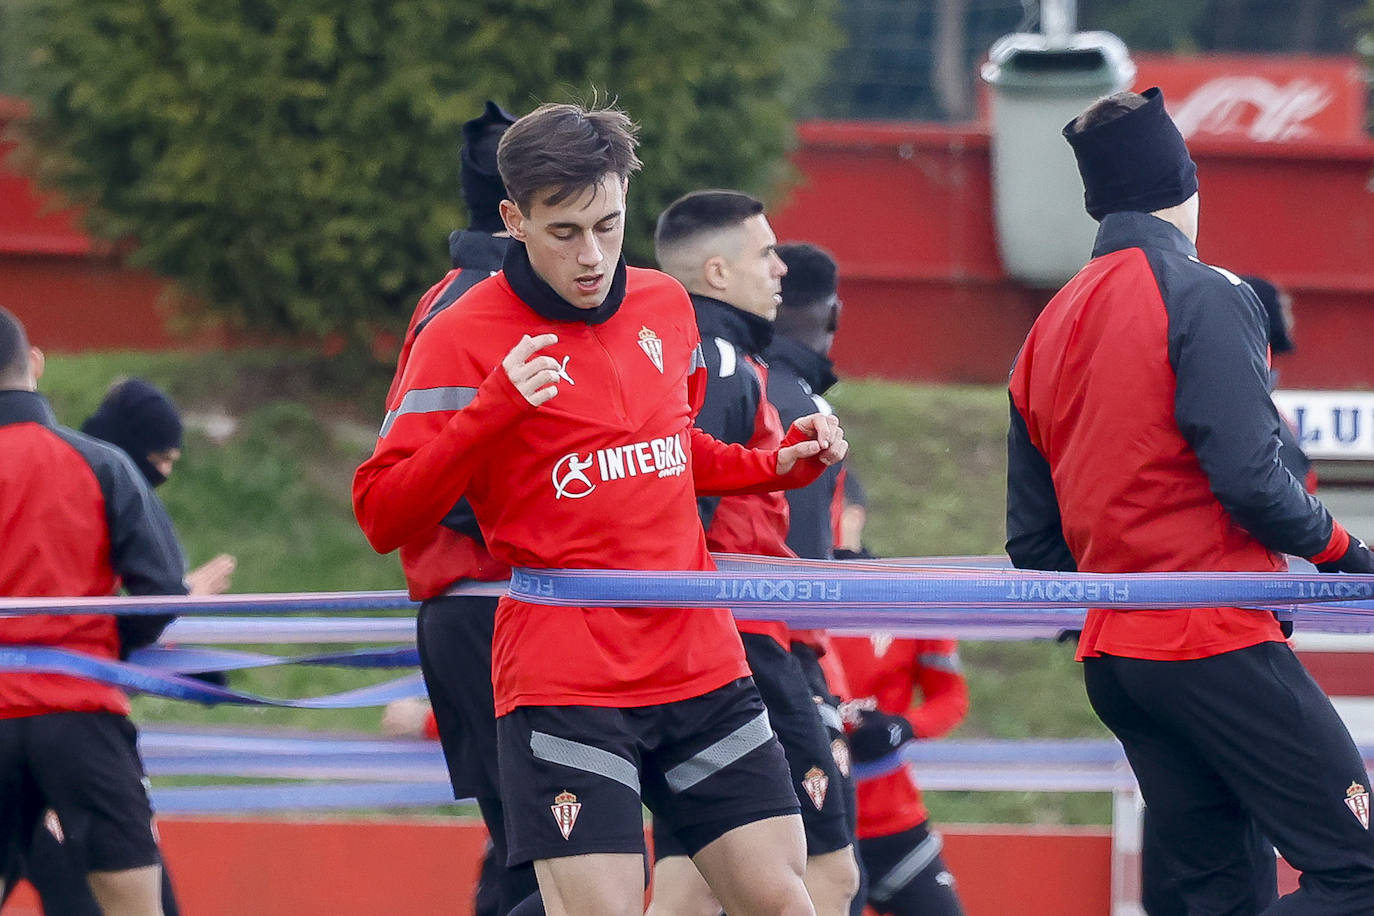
140 419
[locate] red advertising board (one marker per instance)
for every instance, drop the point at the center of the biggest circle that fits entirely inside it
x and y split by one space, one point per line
1260 99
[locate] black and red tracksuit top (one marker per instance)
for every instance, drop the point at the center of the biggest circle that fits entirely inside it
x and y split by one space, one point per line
77 519
798 377
736 409
1143 439
452 550
920 679
604 475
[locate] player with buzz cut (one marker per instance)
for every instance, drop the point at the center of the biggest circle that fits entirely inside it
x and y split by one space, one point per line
560 398
719 244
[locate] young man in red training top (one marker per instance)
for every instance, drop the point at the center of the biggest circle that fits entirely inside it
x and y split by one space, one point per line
1143 439
900 851
559 399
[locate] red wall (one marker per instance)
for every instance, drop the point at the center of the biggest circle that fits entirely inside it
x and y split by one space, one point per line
420 867
907 209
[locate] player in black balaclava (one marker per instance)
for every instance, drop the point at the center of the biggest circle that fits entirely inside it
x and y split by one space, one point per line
142 421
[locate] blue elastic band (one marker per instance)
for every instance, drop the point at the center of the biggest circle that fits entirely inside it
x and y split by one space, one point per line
41 659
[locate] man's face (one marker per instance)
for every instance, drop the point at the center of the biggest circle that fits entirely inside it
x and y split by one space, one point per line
574 246
831 322
164 460
751 277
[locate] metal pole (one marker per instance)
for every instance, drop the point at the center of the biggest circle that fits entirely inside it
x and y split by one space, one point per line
1058 20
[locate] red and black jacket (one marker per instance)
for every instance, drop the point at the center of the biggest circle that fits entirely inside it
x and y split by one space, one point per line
1143 438
919 679
797 378
453 550
736 409
77 519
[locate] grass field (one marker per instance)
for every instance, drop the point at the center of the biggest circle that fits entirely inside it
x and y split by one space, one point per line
274 438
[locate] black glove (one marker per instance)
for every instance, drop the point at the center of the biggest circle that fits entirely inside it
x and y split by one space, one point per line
1356 559
878 735
844 553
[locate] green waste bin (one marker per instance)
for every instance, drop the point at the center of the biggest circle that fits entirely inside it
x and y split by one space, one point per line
1039 84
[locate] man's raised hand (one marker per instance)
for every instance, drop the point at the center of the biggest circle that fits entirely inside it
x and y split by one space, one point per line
535 377
826 442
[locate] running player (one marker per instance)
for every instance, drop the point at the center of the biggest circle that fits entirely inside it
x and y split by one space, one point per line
559 399
719 245
900 850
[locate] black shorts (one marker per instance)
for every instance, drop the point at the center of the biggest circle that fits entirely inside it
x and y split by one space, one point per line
85 767
453 636
907 875
573 778
827 704
817 780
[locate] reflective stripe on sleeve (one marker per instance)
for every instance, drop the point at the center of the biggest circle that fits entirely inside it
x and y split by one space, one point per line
428 400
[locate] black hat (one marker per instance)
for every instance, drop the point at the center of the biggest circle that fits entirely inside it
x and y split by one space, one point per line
1137 161
141 420
1279 339
483 189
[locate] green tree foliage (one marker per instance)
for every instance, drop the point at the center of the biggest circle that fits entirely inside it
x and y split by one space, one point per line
293 163
1243 26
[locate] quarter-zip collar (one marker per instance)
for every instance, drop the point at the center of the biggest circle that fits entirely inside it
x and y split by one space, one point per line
816 369
538 295
470 250
1130 229
25 407
750 332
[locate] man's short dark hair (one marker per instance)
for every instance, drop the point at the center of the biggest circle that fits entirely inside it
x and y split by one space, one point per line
565 149
14 349
703 211
1108 109
812 274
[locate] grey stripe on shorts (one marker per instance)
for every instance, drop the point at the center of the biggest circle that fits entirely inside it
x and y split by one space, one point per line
905 871
584 757
749 736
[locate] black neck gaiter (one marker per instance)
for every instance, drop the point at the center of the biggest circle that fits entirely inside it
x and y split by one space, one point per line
538 295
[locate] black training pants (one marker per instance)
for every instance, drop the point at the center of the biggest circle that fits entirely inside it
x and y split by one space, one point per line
1247 734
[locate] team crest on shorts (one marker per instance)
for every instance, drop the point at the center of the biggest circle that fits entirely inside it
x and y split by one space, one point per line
565 809
816 783
53 825
840 751
652 346
1357 800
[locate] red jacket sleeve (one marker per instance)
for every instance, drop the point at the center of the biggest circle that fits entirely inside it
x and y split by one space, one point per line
422 308
944 692
721 469
432 442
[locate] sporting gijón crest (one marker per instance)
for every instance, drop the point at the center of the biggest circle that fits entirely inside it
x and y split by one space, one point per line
652 346
816 783
565 809
1357 800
